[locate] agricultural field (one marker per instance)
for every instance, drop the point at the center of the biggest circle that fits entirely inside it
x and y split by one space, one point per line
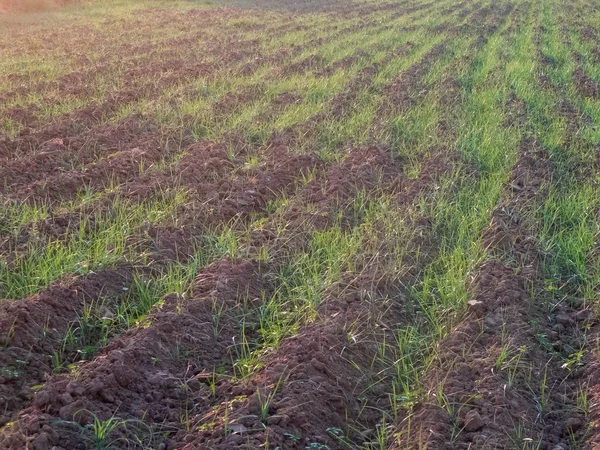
300 224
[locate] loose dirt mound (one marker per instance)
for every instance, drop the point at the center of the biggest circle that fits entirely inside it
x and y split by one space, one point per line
32 331
586 86
164 378
312 385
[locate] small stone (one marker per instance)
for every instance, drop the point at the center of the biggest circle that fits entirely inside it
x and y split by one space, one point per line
66 399
106 396
473 422
564 320
237 390
558 447
573 424
105 313
162 446
42 442
237 428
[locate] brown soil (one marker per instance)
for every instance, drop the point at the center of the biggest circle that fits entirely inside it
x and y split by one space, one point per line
589 34
32 331
79 134
57 150
586 86
591 379
474 382
478 398
401 93
173 376
528 183
99 391
362 168
7 6
320 389
178 347
317 389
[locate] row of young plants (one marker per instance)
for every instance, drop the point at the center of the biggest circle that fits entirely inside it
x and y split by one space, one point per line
304 278
563 223
105 243
116 81
378 243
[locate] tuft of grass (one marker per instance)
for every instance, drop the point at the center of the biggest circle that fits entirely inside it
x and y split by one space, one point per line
112 433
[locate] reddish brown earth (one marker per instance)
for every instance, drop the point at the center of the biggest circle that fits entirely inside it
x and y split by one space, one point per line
175 351
32 331
173 376
587 86
472 397
312 367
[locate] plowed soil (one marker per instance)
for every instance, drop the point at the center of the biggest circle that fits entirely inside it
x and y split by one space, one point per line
287 225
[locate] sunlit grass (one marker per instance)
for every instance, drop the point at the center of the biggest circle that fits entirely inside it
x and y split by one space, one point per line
425 251
97 241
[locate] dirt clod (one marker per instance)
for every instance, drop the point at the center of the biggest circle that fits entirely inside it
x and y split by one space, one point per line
573 424
473 422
